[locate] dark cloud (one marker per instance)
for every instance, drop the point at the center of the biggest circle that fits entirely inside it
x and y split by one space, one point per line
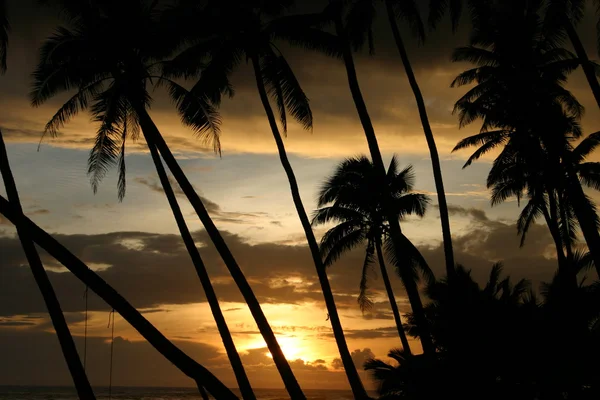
358 357
476 213
145 267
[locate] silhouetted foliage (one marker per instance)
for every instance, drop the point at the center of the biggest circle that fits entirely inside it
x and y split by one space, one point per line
500 342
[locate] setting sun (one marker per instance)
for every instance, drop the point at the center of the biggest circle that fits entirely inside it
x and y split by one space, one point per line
291 347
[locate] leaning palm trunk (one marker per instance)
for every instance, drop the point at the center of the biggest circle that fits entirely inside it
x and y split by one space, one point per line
182 361
586 217
82 385
211 297
588 68
154 138
435 158
412 290
352 374
392 299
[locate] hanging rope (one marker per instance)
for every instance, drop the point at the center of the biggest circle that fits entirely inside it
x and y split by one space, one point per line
85 328
111 324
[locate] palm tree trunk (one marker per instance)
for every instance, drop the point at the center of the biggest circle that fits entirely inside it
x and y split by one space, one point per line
392 299
588 69
182 361
352 374
412 290
435 158
585 216
154 138
211 297
551 221
82 385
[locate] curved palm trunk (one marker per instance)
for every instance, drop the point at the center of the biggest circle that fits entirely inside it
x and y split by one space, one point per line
211 297
353 378
395 233
82 385
585 216
392 299
588 69
154 138
435 158
182 361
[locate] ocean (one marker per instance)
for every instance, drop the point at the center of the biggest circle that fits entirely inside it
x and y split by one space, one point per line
131 393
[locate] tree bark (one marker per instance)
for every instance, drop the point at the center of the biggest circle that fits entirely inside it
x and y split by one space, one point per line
182 361
395 233
153 137
435 158
211 297
67 345
352 374
392 299
588 69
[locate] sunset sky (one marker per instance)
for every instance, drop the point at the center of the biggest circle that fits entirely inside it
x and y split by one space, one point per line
134 245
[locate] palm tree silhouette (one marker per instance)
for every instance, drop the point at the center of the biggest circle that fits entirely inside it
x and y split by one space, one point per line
76 369
360 19
520 97
82 385
187 365
356 205
248 30
565 15
337 12
111 81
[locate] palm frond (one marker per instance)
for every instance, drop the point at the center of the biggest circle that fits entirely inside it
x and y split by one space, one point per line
586 147
122 181
475 55
408 260
411 204
359 24
339 240
78 102
408 11
109 111
589 174
337 213
532 211
285 88
437 9
65 63
196 112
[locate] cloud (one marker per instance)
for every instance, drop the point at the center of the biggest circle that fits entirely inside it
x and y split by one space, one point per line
213 208
146 267
358 357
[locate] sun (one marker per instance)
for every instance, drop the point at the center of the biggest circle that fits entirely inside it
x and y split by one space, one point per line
291 347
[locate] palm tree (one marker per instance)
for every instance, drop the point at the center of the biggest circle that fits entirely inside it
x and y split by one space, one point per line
361 16
337 12
356 207
82 385
519 95
248 31
211 296
202 377
111 52
565 15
